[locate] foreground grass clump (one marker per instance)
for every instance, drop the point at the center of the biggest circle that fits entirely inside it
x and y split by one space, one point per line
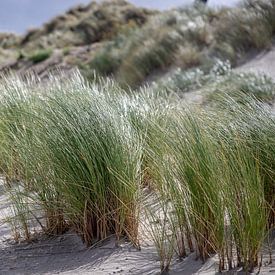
248 206
81 156
74 154
219 182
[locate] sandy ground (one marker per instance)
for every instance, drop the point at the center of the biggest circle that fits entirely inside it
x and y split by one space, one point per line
67 255
262 63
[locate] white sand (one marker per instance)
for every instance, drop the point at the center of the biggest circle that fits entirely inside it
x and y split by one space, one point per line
264 62
66 254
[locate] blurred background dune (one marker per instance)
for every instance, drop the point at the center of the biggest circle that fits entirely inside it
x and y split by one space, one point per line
19 15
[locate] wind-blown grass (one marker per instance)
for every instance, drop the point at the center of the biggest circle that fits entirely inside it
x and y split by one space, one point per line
80 154
216 176
77 155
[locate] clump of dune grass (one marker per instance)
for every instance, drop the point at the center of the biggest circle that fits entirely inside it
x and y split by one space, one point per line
260 86
217 181
78 156
251 123
70 150
193 187
234 31
176 39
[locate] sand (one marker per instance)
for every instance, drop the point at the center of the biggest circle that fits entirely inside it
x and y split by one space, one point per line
67 254
264 62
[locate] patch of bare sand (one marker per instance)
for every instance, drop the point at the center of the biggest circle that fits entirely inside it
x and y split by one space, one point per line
264 63
67 254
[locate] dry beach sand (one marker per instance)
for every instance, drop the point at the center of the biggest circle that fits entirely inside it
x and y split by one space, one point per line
67 255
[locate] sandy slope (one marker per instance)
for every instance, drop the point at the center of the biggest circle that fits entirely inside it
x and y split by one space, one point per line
262 63
67 255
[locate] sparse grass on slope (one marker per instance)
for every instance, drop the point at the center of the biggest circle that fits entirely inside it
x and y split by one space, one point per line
220 79
188 37
133 45
40 56
85 25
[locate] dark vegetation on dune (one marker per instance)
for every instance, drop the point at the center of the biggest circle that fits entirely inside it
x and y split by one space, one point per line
104 157
133 44
74 36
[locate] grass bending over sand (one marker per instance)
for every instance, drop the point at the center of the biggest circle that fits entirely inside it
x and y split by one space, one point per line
73 152
78 156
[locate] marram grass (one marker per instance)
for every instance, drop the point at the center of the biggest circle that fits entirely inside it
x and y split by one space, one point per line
77 156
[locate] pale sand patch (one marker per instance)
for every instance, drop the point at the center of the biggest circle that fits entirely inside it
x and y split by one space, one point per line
66 254
264 63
